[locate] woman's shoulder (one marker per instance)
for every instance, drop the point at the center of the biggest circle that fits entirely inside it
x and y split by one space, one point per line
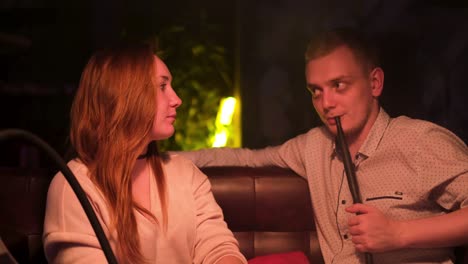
65 218
76 167
173 159
60 186
177 167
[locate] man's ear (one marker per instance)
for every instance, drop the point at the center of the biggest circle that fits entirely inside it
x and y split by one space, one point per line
377 81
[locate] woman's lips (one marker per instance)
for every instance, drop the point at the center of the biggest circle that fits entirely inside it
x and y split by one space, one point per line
172 117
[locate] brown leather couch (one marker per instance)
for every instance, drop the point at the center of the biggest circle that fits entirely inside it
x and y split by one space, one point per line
268 209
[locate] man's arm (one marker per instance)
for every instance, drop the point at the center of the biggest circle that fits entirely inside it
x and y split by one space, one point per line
288 155
440 231
232 157
372 231
440 160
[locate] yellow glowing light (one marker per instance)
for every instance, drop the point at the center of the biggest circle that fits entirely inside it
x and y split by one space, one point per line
223 122
220 139
227 110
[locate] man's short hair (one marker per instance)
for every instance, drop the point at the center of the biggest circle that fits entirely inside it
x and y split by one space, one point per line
325 42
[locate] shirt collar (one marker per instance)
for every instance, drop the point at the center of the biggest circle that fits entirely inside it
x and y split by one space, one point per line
375 135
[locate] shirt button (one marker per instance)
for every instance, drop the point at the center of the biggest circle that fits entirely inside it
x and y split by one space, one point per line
345 236
343 201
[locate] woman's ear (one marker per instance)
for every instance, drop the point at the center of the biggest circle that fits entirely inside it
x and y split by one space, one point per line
377 80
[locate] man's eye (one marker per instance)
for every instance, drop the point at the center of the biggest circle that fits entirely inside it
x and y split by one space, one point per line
339 85
315 93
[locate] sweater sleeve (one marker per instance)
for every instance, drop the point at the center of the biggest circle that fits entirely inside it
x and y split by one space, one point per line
213 238
68 235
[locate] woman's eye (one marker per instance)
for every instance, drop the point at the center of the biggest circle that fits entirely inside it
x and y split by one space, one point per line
163 86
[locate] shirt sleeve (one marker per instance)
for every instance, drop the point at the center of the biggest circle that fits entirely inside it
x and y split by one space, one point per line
68 235
443 163
288 155
213 238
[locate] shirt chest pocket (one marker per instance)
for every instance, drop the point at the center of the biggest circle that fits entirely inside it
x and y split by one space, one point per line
385 197
390 203
396 204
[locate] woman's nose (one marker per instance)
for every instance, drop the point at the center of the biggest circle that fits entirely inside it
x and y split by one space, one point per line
175 100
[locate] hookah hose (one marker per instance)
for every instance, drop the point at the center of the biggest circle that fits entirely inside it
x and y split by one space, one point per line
350 172
70 177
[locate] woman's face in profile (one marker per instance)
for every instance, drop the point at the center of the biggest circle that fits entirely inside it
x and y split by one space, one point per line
167 102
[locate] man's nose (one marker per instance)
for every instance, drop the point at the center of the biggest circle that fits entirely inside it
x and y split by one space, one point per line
328 99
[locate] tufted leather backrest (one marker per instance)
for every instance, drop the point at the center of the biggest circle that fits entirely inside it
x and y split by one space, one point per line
268 209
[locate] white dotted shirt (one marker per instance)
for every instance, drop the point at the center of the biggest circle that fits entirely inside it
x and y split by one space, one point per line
407 168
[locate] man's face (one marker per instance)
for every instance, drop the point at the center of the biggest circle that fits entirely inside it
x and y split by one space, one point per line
341 87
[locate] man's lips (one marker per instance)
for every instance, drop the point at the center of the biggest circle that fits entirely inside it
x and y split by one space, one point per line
331 120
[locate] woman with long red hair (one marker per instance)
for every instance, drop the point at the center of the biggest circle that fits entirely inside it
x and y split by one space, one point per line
154 208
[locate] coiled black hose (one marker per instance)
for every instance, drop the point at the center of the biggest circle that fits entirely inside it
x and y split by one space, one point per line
41 144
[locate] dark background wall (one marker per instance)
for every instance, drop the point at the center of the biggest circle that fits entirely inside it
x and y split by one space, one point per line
45 44
423 45
44 49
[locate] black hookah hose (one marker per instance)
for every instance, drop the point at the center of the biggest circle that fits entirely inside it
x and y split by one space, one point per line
350 172
35 140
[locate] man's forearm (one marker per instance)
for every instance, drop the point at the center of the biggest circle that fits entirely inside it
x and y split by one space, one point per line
447 230
231 157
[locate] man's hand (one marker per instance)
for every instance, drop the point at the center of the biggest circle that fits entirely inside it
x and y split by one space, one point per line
372 231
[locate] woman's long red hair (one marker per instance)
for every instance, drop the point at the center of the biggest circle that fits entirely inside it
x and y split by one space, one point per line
111 120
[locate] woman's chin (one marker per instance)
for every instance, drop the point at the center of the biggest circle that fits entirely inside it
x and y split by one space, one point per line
162 135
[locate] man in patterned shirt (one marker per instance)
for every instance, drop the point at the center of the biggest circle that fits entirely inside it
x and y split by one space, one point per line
413 174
